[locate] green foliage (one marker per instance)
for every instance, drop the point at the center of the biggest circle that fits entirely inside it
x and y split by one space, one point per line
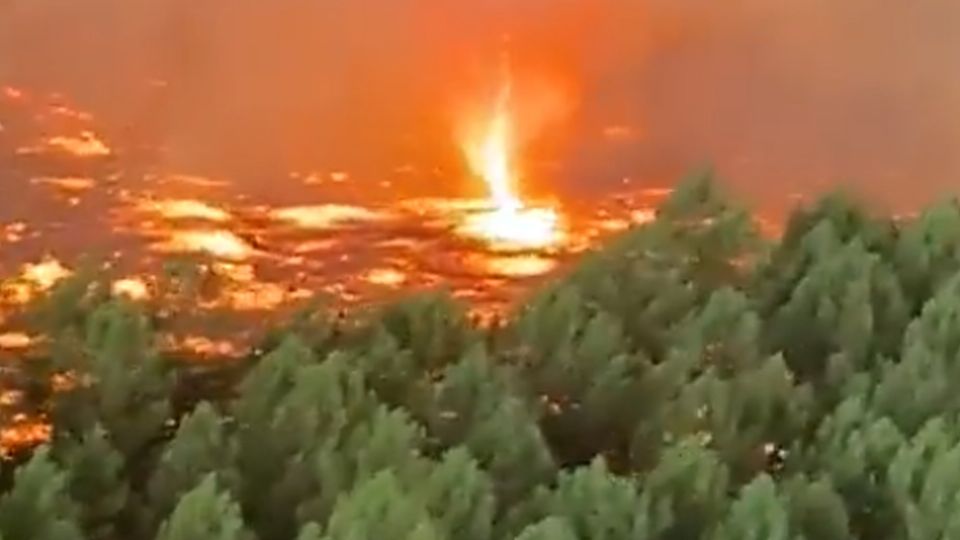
200 447
686 493
925 480
552 528
845 298
38 506
593 503
460 496
475 406
433 327
759 513
96 481
927 251
816 509
205 513
380 508
121 382
574 357
292 410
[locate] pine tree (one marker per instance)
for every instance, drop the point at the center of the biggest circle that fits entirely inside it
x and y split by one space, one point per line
388 440
310 531
575 358
816 509
200 447
845 298
474 405
744 402
38 507
918 386
380 508
928 251
432 326
593 503
96 481
853 447
460 497
123 384
759 513
686 493
281 438
205 513
925 481
552 528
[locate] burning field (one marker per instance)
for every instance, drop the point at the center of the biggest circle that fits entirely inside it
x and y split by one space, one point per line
343 239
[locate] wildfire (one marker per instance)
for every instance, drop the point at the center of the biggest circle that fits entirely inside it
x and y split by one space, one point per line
86 145
45 274
219 243
68 184
490 152
185 209
323 216
133 288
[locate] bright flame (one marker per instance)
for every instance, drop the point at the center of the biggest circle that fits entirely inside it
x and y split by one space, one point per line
177 209
218 243
133 288
66 183
490 155
86 145
46 273
323 216
15 340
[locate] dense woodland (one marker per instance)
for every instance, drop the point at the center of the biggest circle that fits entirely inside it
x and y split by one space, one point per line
690 380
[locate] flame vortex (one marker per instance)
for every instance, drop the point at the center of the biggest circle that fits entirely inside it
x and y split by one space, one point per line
510 223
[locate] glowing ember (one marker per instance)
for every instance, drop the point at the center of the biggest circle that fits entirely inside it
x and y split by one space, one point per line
45 274
86 145
33 280
9 398
13 232
204 346
387 277
219 243
63 110
15 340
643 216
192 180
72 184
519 266
524 228
323 216
132 288
185 209
490 154
23 433
12 93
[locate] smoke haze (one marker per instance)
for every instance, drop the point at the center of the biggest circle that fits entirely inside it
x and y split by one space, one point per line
782 97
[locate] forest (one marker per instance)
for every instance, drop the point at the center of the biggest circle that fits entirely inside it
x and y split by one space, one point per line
692 379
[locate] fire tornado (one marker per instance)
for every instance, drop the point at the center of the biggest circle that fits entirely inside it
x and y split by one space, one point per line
491 149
